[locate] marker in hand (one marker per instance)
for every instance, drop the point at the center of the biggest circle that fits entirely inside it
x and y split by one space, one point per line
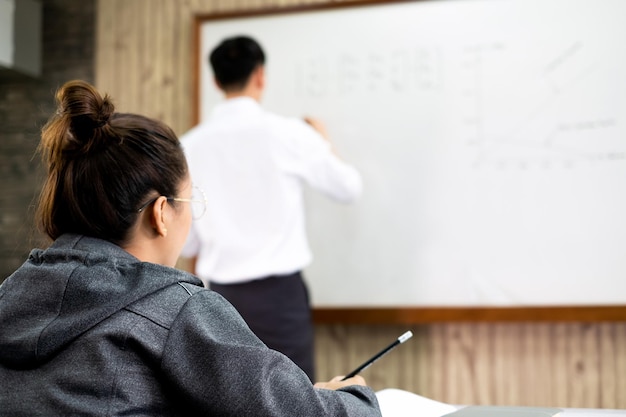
406 336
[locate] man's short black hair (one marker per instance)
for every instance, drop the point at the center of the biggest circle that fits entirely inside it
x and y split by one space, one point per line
234 60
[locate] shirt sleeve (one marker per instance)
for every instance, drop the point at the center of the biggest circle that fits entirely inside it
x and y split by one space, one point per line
219 367
305 153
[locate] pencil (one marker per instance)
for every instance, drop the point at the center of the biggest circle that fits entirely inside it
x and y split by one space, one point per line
406 336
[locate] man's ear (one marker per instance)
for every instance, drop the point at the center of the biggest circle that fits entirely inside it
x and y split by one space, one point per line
157 219
259 77
217 84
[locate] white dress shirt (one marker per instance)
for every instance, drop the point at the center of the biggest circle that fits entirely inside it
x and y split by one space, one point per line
252 164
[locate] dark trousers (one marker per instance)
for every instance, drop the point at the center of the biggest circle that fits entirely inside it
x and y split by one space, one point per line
278 311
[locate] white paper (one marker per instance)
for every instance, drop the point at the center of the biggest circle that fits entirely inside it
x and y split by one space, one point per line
399 403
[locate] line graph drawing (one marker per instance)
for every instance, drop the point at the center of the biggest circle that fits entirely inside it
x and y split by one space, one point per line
538 115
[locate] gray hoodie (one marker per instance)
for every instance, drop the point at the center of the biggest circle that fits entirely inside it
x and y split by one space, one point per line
87 329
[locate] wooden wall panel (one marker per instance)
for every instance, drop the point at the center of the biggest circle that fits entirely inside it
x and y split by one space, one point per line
533 364
144 59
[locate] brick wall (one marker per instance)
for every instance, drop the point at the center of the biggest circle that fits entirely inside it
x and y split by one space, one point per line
25 104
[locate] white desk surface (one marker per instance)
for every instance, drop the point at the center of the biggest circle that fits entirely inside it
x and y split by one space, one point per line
592 412
586 412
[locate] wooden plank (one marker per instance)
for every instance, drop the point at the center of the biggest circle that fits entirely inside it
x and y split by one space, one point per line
483 353
540 366
256 10
196 63
146 58
105 31
620 367
412 315
438 363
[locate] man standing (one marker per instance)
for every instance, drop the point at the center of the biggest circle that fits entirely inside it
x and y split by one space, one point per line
252 246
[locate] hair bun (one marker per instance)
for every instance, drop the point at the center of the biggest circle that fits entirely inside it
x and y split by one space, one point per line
105 113
86 111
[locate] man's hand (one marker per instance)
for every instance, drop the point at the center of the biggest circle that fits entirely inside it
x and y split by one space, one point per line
317 125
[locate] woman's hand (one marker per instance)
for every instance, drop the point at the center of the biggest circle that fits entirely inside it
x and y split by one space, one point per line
337 382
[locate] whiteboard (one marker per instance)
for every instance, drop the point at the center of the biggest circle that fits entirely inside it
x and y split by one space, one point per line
490 134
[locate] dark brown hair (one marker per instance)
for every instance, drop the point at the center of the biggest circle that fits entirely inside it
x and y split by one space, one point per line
102 166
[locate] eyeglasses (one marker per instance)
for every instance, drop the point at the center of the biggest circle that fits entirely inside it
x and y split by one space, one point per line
198 202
